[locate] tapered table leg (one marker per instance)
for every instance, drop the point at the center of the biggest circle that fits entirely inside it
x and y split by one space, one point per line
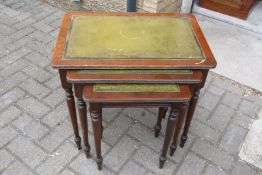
97 130
168 135
81 105
161 114
71 106
179 124
191 110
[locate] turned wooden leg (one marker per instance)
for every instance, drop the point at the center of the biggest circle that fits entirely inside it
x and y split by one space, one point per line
97 130
161 114
83 119
81 105
189 117
168 135
102 127
71 106
179 124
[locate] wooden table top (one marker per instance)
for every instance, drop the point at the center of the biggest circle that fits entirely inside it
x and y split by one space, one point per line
131 40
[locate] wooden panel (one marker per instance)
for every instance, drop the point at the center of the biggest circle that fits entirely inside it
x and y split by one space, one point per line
236 8
113 76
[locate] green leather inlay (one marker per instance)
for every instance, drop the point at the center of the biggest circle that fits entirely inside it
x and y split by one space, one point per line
136 88
134 71
131 37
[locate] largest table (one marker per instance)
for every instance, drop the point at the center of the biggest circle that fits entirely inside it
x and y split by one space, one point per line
131 41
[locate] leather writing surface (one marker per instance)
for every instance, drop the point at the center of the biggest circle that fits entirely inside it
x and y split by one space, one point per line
136 88
112 37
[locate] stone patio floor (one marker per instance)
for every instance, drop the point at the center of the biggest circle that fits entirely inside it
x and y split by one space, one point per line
36 135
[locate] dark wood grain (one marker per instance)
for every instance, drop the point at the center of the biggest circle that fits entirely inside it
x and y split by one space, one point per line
239 9
71 106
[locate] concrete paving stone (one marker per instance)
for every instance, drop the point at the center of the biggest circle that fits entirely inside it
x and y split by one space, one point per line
221 117
35 130
56 23
251 149
54 34
38 59
40 47
33 107
150 160
120 153
17 44
7 134
191 165
110 114
22 121
16 55
27 22
249 108
143 116
57 136
58 160
55 98
228 86
243 120
67 172
4 41
10 97
53 82
22 33
41 36
146 136
37 73
7 20
209 101
104 146
116 129
233 138
17 168
85 166
231 100
56 116
43 27
23 16
212 170
43 11
201 113
9 3
51 69
17 5
5 159
29 153
132 168
49 19
9 115
243 168
13 68
10 12
181 153
34 88
205 131
213 154
215 90
5 30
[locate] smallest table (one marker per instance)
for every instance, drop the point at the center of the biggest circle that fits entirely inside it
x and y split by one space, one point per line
136 95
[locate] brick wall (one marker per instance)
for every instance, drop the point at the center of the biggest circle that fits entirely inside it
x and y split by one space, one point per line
142 5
